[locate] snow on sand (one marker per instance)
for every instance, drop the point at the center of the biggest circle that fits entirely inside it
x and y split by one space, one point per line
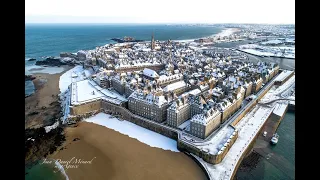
134 131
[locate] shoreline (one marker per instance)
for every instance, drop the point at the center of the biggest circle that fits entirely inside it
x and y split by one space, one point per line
223 32
42 106
94 141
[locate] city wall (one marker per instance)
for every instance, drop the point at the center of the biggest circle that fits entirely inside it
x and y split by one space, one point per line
82 111
207 156
85 108
138 120
271 117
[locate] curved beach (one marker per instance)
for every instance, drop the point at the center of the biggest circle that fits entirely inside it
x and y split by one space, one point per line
117 156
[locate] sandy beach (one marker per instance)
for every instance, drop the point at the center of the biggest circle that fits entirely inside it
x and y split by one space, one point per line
117 156
43 105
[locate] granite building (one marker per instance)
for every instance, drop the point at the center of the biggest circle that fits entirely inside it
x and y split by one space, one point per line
202 125
149 105
178 112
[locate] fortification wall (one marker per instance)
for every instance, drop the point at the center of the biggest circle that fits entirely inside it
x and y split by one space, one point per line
205 155
143 122
85 108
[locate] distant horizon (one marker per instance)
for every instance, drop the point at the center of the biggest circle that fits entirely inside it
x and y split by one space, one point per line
166 12
155 23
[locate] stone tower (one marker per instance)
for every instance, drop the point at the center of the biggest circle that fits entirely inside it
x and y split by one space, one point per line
152 42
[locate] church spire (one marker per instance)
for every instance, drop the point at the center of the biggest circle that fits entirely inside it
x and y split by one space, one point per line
152 41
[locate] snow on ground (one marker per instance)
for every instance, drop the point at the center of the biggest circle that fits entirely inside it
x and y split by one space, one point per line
268 51
185 124
247 127
226 32
85 92
280 109
53 126
214 144
283 75
66 78
146 136
256 52
88 72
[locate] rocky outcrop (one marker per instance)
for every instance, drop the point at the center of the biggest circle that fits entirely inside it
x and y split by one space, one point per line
31 59
52 61
39 144
69 60
29 77
69 55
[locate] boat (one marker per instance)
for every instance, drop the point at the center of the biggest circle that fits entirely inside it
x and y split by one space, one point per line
265 133
274 139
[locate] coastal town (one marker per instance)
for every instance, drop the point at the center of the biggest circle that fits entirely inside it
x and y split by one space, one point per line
204 97
211 100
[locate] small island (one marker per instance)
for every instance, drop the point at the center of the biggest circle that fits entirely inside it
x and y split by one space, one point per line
125 39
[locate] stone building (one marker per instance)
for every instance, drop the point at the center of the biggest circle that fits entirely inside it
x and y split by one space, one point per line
230 105
177 88
118 85
248 89
165 80
257 84
202 125
149 105
104 82
178 112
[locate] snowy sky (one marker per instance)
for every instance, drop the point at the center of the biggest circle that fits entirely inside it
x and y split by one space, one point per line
160 11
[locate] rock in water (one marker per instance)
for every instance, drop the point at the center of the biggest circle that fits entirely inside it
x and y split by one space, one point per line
29 77
31 59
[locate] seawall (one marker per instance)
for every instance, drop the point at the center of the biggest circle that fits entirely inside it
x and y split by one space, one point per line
270 125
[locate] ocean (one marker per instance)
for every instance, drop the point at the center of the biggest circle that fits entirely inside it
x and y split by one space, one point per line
43 171
285 148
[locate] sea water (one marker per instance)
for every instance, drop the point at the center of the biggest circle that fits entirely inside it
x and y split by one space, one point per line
285 148
42 171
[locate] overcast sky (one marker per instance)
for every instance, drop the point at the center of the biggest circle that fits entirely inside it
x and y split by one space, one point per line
160 11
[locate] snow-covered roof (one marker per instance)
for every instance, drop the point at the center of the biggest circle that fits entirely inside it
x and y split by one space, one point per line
164 78
195 92
149 98
206 117
150 73
174 86
276 41
283 75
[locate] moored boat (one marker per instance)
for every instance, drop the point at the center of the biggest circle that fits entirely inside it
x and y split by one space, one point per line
274 139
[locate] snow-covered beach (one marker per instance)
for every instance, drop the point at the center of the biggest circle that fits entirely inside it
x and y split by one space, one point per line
144 135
